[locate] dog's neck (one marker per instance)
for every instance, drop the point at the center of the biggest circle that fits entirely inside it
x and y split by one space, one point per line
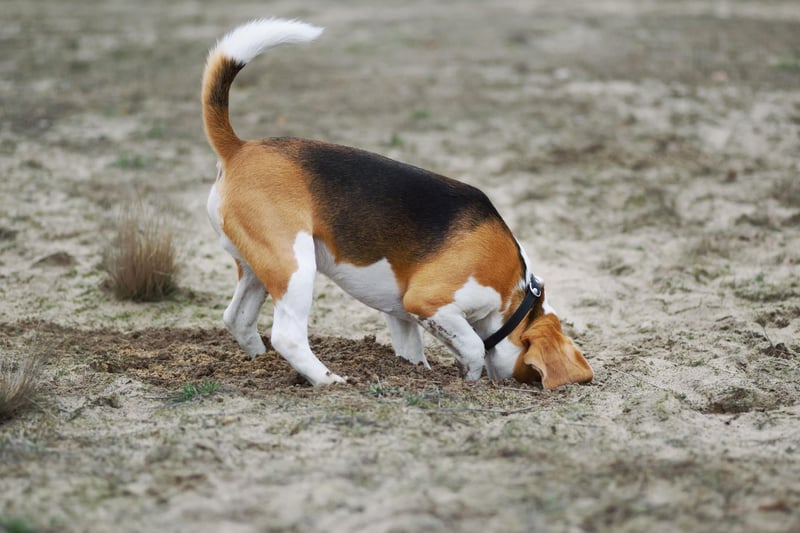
501 359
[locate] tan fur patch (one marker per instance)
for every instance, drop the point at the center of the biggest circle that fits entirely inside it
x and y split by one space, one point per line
263 206
218 76
487 253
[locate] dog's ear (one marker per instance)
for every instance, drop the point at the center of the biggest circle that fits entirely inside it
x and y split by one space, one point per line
551 358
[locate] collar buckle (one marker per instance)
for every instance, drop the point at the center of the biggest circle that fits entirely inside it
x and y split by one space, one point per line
535 286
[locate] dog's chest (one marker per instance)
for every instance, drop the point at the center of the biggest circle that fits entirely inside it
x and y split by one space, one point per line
374 285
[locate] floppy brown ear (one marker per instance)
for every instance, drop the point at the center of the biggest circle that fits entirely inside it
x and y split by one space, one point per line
552 357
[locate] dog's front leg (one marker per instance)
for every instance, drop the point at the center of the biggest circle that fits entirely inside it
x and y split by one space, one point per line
450 326
290 322
407 339
241 316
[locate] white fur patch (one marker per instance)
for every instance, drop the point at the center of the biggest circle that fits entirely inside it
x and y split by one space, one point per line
547 308
450 325
407 339
545 305
374 285
524 281
251 39
301 283
215 218
212 206
241 315
479 303
501 359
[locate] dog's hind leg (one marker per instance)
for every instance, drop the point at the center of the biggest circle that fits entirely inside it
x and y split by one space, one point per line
407 339
290 322
241 315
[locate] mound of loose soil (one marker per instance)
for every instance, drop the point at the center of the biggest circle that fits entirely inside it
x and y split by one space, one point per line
171 357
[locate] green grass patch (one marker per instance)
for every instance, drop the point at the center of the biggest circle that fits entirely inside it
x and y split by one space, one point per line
128 162
190 391
15 525
421 115
790 63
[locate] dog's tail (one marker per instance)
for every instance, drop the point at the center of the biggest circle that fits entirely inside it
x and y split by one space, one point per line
225 61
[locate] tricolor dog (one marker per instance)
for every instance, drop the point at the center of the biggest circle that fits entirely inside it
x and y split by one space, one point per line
428 251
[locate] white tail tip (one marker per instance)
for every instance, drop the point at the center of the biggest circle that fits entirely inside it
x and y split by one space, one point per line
251 39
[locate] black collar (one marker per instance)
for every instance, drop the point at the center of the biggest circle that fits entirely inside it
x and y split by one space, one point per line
532 293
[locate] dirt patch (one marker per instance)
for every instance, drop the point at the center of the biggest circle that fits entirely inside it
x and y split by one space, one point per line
172 357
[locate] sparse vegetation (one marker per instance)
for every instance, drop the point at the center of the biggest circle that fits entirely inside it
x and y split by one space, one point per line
396 141
141 262
788 62
191 391
377 389
129 162
15 525
421 114
414 400
19 382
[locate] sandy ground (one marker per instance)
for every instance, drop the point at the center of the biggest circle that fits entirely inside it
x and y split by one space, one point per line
645 153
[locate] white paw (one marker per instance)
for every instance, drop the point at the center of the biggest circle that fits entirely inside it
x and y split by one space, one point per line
416 360
330 379
474 374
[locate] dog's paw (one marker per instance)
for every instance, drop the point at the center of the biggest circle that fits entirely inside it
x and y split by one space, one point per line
331 379
473 374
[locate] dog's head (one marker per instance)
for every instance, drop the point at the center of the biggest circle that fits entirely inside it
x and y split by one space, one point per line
549 356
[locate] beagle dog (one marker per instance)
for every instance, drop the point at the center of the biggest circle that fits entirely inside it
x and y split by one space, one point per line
428 251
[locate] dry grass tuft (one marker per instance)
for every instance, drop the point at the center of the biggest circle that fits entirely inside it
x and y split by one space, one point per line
19 383
141 262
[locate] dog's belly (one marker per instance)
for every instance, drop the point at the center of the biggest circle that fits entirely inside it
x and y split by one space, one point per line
373 285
